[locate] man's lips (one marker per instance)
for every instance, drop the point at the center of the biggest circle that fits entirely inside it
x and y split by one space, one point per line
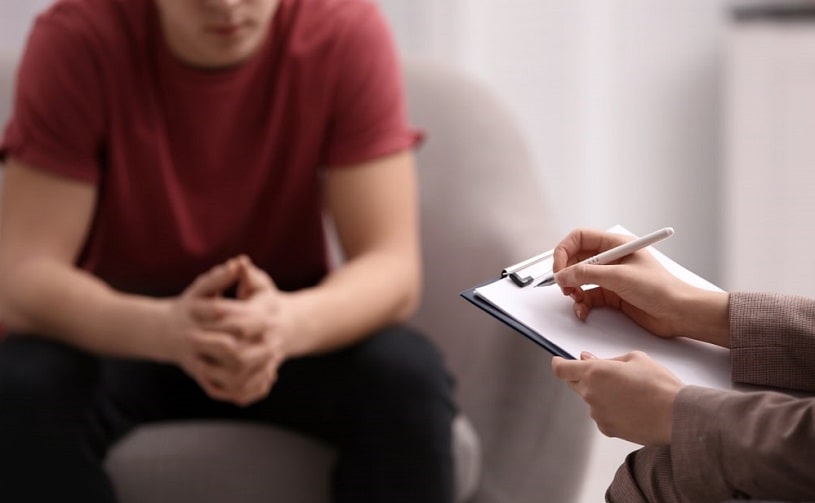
227 30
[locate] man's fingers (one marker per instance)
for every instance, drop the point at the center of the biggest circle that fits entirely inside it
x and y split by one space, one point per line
252 278
232 319
240 388
217 347
214 392
257 386
216 280
259 355
206 311
226 315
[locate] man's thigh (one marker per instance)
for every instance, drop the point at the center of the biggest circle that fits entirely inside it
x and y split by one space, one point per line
325 395
317 395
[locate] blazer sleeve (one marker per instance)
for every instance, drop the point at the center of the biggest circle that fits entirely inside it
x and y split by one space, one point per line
772 340
736 444
732 444
759 444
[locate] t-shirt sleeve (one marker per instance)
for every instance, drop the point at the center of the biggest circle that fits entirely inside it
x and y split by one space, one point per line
369 117
57 122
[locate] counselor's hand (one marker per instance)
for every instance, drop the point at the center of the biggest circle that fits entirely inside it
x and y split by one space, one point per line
638 285
630 397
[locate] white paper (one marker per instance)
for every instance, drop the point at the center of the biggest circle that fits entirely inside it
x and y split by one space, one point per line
607 332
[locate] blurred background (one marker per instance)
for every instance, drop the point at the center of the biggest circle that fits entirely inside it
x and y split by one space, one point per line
644 113
697 114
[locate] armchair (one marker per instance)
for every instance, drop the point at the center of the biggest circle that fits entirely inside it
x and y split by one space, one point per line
521 436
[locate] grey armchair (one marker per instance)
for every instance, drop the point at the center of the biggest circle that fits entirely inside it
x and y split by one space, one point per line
521 435
481 211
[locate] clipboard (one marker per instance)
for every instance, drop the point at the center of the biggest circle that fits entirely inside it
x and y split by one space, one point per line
515 324
544 316
523 274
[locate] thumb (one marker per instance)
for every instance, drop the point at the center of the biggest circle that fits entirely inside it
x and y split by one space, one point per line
252 278
568 370
215 281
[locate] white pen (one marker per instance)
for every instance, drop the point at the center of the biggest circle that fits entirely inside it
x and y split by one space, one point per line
618 252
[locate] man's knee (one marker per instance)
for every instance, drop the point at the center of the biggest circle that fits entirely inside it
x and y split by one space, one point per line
42 377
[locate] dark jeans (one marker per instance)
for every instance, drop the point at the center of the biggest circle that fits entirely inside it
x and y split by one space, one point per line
386 403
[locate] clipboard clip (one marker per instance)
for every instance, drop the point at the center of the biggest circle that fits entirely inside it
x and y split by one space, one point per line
525 273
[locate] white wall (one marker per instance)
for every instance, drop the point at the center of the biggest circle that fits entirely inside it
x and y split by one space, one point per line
769 229
15 20
619 99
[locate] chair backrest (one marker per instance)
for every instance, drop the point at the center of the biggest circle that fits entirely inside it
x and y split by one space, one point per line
8 77
480 199
482 209
8 74
8 71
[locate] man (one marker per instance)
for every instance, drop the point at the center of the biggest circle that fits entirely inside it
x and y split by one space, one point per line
169 164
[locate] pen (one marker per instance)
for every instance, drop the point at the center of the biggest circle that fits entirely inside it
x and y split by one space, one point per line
617 252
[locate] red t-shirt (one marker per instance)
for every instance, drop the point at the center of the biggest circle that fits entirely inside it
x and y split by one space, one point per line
196 166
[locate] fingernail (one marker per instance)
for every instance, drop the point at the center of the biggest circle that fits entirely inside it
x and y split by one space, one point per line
579 311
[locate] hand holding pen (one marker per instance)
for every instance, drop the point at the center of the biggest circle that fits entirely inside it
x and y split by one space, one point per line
613 254
637 284
632 396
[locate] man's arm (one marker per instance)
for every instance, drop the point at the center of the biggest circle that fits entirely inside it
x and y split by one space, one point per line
374 208
44 221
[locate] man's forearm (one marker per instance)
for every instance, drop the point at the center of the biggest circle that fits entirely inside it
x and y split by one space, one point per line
56 301
368 293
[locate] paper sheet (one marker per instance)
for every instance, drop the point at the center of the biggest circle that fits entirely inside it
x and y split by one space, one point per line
607 332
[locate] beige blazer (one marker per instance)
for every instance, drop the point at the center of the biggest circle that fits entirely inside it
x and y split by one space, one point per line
741 444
